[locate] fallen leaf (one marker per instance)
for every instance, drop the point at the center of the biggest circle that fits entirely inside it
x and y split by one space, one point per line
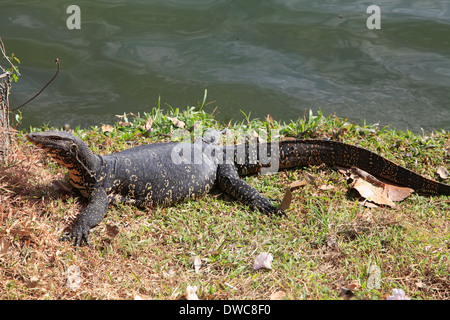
107 128
286 202
197 264
354 285
278 295
148 124
177 123
62 186
421 285
310 178
377 191
326 187
263 260
372 193
124 124
191 293
442 172
4 245
112 231
298 184
33 282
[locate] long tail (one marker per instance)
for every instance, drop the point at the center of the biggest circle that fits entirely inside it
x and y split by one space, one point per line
333 153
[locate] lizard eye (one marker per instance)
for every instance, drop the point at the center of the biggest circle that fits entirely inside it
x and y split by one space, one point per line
73 148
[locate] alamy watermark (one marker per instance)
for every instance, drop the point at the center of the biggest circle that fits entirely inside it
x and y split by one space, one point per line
74 20
374 21
252 147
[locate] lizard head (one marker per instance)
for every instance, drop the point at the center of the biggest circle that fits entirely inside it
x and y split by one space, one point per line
69 151
61 146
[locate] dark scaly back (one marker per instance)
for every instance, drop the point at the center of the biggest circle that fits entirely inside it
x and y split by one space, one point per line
333 153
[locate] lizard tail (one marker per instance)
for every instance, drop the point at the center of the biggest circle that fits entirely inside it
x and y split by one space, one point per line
295 153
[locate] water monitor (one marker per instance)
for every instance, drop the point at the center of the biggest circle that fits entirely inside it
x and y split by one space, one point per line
169 172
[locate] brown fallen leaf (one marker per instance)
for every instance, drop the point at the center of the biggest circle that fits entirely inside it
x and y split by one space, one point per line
278 295
286 202
177 123
4 245
33 282
124 124
298 184
107 128
326 187
62 186
372 192
447 148
354 285
375 190
197 264
112 231
442 172
148 124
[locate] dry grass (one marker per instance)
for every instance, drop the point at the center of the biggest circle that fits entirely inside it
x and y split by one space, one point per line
327 241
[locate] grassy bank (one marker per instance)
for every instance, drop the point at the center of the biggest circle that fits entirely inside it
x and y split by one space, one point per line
328 240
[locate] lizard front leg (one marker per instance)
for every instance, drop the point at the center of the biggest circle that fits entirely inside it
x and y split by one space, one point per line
91 216
229 181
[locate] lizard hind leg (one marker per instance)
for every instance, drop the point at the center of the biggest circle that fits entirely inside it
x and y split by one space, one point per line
229 182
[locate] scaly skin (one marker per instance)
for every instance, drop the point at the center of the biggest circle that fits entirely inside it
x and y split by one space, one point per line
147 175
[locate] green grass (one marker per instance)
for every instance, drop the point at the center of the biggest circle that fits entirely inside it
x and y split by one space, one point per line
327 240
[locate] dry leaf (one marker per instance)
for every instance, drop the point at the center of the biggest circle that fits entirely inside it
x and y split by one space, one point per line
148 124
375 190
124 124
279 295
420 285
33 282
354 285
326 187
191 293
112 231
177 123
298 184
62 186
263 260
4 245
197 264
107 128
372 193
310 178
442 172
286 202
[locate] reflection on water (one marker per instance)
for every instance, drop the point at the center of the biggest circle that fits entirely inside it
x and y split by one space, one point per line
275 56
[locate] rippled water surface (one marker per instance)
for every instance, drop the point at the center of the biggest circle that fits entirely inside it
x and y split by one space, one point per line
280 57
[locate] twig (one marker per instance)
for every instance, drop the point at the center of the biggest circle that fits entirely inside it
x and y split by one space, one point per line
2 48
51 80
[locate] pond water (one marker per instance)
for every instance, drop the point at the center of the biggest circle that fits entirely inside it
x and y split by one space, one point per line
281 57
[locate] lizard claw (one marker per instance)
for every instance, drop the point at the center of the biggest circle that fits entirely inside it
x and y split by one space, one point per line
268 208
77 235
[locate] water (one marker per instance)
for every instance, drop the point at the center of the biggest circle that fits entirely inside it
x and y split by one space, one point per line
280 57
